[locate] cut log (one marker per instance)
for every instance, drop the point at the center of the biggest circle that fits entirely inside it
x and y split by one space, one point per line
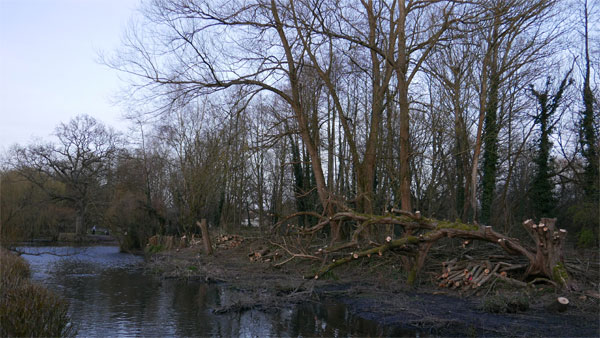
262 252
502 276
259 253
486 277
510 267
456 276
560 304
478 273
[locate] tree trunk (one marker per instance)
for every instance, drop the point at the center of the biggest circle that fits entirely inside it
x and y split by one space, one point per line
79 223
589 136
490 144
296 106
405 201
205 236
80 219
403 103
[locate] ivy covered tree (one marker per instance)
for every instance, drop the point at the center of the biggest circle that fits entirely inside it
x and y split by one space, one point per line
585 215
541 193
588 132
490 154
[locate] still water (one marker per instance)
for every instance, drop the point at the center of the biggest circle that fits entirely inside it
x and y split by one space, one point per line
110 295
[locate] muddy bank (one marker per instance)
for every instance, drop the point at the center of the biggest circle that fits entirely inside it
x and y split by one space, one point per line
376 291
449 315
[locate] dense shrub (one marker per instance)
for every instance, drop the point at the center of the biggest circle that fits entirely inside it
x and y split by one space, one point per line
583 216
586 238
27 309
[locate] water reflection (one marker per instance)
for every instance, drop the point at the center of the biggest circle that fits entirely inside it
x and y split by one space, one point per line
111 296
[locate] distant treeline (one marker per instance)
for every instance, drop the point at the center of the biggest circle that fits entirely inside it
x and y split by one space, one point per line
243 113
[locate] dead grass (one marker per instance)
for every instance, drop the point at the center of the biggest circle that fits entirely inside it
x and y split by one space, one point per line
28 309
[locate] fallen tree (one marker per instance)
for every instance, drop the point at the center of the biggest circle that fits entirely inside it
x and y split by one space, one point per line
545 258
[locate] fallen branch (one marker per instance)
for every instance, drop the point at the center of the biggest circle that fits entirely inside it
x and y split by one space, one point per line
292 255
510 280
298 214
545 260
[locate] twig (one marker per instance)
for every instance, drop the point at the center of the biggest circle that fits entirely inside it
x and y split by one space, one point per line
293 255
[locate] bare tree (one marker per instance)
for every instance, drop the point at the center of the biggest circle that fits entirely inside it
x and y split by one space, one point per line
514 37
80 159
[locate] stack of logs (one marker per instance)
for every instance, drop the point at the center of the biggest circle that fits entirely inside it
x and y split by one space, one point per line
175 242
229 241
473 274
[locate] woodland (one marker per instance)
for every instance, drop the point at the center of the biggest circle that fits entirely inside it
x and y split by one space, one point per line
366 125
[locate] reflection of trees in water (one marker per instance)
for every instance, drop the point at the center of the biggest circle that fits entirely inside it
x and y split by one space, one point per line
116 300
122 300
330 319
190 304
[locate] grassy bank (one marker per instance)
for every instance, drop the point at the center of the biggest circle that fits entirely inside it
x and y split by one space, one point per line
28 309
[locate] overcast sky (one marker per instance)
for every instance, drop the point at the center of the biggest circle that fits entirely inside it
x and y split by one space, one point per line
48 64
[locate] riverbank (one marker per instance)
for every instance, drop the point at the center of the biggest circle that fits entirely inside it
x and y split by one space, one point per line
375 289
68 237
28 309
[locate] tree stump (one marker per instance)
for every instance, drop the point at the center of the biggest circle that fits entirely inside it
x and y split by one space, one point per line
560 304
183 242
168 240
548 261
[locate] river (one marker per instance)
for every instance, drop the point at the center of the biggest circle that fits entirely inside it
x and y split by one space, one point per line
110 295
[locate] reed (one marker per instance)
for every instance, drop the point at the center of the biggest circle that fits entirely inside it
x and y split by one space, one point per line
28 309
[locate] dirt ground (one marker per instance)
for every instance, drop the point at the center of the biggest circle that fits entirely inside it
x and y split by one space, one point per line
376 289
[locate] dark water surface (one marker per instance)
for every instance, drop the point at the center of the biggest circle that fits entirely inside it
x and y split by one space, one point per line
110 296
